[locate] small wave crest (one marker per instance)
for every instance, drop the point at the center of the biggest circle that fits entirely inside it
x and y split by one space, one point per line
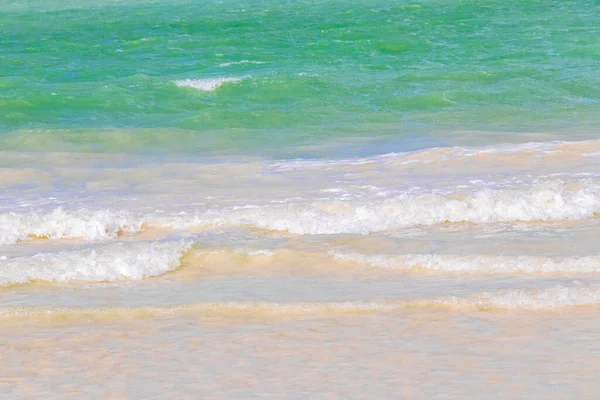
207 85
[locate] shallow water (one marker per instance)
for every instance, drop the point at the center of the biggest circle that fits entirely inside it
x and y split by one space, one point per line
299 199
423 354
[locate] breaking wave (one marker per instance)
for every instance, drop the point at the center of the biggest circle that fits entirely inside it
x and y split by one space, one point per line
361 216
111 262
541 203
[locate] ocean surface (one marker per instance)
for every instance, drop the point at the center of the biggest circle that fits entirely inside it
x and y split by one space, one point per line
299 199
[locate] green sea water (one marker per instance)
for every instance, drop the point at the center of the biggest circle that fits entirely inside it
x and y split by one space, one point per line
365 75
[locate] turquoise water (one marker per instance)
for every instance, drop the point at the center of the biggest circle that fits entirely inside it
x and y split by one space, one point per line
372 75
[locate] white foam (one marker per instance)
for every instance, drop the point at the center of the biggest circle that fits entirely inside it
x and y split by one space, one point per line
112 262
207 85
60 224
476 263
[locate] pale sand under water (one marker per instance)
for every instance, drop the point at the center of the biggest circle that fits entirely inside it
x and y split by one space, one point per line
414 354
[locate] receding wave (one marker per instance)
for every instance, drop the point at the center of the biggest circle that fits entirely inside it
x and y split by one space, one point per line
111 262
208 84
542 299
483 264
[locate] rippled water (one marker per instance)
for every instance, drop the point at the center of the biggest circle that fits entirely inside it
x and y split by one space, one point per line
147 76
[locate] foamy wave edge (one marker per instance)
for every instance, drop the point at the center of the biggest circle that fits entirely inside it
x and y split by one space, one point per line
112 262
